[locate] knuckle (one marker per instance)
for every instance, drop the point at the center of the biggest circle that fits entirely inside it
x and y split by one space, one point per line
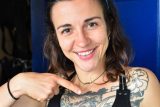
54 76
52 87
41 99
56 92
44 97
49 91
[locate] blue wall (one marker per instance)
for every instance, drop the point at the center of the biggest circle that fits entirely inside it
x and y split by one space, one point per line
139 19
38 33
141 22
158 39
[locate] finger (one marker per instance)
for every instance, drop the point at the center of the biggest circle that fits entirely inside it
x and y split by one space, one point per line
51 95
67 84
56 91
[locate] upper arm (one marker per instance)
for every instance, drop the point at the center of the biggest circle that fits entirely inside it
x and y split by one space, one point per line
152 92
144 86
26 101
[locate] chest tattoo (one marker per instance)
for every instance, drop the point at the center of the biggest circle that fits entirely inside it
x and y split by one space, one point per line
89 99
137 84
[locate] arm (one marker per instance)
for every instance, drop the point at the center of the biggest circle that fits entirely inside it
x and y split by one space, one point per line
38 86
26 101
152 94
5 98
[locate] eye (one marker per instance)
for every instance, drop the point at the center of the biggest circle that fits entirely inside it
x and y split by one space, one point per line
92 25
66 31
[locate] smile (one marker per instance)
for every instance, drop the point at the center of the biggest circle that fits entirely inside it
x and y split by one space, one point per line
85 53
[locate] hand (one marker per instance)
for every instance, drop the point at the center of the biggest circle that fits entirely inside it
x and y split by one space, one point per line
39 86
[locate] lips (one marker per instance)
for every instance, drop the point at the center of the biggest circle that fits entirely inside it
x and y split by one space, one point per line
87 54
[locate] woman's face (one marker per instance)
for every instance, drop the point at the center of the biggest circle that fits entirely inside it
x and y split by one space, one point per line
81 32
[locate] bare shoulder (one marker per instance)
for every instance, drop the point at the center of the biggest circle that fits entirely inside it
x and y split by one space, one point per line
26 101
140 71
144 86
138 77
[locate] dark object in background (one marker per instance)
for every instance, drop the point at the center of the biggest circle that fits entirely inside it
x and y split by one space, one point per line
9 68
15 17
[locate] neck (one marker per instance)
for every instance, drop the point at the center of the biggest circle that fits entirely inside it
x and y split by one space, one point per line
91 80
86 77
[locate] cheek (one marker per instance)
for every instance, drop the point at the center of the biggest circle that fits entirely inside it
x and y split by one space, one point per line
102 41
65 44
101 38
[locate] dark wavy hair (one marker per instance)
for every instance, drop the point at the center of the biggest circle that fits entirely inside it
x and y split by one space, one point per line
118 54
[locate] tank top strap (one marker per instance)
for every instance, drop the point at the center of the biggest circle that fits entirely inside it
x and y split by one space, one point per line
71 76
122 94
122 82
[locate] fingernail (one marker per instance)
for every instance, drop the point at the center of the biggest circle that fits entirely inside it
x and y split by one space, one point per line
79 92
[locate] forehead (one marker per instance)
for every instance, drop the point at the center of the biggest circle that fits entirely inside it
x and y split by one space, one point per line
78 2
75 8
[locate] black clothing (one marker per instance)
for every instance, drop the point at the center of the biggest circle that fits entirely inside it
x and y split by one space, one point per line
122 95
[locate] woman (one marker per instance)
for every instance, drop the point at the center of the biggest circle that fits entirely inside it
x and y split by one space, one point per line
85 45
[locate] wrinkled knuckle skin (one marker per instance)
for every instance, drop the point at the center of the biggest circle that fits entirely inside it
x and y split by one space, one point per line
45 97
49 92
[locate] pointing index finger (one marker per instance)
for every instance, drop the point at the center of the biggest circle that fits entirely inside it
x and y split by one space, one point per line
68 84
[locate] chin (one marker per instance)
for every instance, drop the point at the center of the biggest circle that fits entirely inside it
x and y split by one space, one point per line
87 67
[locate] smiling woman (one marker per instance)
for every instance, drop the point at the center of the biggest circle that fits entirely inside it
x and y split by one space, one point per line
89 57
88 41
84 40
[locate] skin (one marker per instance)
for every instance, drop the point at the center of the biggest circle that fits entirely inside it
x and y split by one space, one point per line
82 32
145 92
76 35
38 86
85 35
139 85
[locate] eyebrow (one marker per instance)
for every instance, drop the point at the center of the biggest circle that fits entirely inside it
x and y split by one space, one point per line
87 20
65 25
92 18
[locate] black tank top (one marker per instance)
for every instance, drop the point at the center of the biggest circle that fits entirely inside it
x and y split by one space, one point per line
122 94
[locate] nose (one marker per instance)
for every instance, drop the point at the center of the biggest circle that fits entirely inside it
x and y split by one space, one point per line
82 38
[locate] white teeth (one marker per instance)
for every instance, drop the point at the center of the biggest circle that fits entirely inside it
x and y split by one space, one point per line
85 53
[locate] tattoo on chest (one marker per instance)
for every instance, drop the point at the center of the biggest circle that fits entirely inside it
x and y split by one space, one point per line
89 99
137 84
